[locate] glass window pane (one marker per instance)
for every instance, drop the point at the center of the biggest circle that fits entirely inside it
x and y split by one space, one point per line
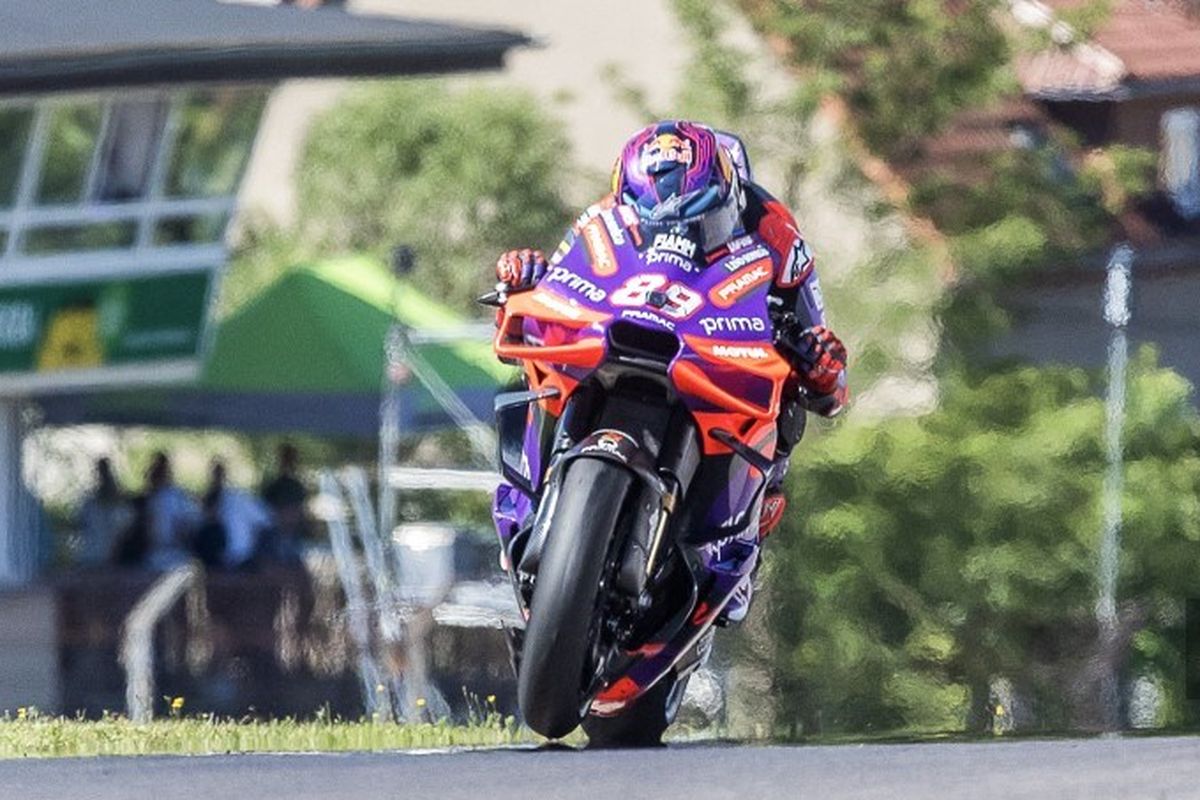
216 131
70 238
69 146
131 143
14 135
204 229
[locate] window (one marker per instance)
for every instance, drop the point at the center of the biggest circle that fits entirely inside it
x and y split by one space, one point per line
216 132
70 144
131 142
14 136
1181 159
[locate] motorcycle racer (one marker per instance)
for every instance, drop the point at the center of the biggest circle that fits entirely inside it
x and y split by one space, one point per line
688 181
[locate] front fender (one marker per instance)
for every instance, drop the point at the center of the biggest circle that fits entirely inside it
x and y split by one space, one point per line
618 447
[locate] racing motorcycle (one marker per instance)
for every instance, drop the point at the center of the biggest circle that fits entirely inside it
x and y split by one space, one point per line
635 463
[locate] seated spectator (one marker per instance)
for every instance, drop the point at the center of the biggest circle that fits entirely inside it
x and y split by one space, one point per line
104 517
171 516
243 516
210 541
287 498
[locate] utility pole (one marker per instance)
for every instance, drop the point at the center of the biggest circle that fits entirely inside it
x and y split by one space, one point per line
1117 314
396 374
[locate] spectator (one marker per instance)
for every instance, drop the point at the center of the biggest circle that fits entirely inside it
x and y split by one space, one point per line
243 516
104 518
287 498
171 516
211 539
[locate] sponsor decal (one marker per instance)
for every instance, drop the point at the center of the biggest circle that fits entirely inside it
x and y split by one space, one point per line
576 283
558 304
666 148
738 285
742 259
614 443
648 316
674 243
667 257
747 352
739 243
713 325
813 299
615 231
799 261
604 262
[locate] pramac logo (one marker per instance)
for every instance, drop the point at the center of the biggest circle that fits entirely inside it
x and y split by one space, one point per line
739 284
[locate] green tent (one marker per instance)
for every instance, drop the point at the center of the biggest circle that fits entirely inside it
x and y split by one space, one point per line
307 354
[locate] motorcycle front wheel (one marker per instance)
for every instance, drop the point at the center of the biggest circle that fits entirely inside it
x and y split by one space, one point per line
556 655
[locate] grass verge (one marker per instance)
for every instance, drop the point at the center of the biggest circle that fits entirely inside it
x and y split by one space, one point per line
41 737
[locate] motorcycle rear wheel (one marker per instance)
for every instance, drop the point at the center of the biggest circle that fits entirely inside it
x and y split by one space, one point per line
556 654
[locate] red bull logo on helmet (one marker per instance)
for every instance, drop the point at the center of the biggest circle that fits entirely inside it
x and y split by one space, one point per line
666 148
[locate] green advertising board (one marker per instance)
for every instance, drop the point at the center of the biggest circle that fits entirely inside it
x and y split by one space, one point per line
55 329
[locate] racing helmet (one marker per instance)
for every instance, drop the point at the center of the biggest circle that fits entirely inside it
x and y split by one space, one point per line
680 179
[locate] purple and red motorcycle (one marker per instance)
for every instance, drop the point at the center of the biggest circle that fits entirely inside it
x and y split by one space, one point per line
635 464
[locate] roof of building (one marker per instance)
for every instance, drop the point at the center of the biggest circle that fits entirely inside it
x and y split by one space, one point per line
1139 46
62 45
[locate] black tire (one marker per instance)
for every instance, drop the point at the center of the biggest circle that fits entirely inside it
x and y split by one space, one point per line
557 652
643 723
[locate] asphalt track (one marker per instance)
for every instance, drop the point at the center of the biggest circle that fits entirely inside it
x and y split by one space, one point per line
1091 769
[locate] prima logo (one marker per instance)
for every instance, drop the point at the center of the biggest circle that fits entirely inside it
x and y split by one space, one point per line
577 284
740 352
667 257
674 243
733 288
713 325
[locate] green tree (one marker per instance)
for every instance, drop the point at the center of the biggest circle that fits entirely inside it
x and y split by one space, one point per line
935 555
458 174
906 68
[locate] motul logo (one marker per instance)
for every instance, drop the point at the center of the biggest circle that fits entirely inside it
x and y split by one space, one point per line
734 351
728 292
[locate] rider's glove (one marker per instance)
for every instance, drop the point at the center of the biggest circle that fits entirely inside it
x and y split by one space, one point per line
521 269
817 356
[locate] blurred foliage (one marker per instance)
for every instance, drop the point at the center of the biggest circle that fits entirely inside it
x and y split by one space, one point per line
1038 185
905 68
935 554
1121 174
459 174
